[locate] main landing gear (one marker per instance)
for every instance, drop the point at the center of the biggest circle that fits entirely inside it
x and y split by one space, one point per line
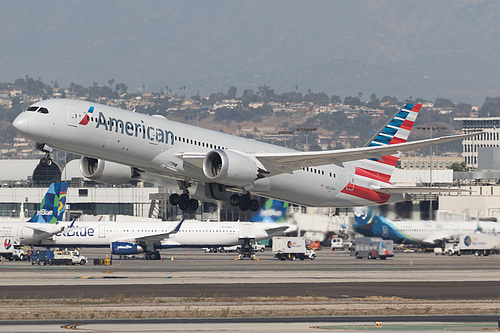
244 202
184 202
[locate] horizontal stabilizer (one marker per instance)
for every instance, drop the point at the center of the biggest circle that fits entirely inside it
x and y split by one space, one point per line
417 190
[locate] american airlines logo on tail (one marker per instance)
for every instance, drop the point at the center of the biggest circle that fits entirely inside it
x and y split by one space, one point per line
138 130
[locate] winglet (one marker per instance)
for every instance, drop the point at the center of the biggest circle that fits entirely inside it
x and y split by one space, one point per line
178 226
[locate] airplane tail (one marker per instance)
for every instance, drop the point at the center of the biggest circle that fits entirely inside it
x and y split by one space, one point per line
52 206
365 216
272 211
396 130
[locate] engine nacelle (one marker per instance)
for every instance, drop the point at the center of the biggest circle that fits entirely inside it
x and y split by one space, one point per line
124 248
229 168
105 171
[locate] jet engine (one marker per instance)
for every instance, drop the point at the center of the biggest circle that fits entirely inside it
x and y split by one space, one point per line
124 248
105 171
230 168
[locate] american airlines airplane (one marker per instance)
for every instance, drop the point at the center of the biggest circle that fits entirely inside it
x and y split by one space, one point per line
126 238
369 224
118 145
44 223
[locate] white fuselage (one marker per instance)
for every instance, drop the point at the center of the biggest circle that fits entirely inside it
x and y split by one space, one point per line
27 233
191 234
153 144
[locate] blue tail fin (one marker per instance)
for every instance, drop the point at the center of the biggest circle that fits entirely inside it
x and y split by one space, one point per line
53 204
271 211
364 216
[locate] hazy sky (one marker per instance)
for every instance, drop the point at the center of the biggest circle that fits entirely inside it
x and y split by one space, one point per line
426 49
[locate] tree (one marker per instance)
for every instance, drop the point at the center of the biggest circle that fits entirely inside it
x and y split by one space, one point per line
231 92
459 167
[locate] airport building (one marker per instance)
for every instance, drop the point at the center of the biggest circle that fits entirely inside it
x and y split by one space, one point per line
486 143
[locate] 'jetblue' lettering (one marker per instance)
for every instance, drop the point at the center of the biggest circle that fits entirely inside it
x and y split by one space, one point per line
138 130
85 232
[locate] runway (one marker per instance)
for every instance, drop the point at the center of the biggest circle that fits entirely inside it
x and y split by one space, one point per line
191 284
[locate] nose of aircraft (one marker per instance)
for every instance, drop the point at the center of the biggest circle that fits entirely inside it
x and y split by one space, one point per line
21 123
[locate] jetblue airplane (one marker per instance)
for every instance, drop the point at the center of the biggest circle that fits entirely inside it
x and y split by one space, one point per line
118 145
369 224
44 223
126 238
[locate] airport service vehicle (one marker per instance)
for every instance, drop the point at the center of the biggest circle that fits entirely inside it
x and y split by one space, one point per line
474 243
337 244
292 248
58 257
118 146
257 247
12 252
432 233
372 248
44 222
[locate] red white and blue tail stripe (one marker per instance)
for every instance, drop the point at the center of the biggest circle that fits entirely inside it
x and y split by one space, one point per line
396 130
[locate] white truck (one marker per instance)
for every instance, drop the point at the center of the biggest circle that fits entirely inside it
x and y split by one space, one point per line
292 248
372 248
337 244
57 257
474 243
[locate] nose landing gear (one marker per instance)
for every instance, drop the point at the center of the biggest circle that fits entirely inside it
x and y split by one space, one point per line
46 160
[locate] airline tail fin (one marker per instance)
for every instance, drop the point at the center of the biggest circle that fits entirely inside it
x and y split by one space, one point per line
52 206
396 130
364 216
271 211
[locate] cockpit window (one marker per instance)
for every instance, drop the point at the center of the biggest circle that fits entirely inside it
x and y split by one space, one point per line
43 110
32 108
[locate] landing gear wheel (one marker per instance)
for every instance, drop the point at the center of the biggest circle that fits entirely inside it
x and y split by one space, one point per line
245 200
234 200
183 206
193 204
184 199
244 207
154 256
254 205
46 161
174 199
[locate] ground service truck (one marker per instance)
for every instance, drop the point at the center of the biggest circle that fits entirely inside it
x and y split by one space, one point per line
66 257
477 243
292 248
372 248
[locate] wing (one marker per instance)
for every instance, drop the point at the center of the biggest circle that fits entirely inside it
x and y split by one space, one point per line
298 160
157 238
438 237
276 163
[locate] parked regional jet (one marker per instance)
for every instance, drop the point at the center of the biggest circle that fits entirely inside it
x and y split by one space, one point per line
44 223
148 237
119 145
369 224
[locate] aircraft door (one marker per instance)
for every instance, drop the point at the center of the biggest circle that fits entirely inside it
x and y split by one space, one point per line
72 116
350 182
20 233
102 230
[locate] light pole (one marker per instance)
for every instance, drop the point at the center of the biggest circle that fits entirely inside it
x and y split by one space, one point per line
306 130
430 128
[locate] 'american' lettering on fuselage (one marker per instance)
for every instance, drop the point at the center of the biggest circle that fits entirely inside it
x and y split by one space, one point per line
138 130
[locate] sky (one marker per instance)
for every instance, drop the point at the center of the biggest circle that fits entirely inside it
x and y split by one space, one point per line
421 48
